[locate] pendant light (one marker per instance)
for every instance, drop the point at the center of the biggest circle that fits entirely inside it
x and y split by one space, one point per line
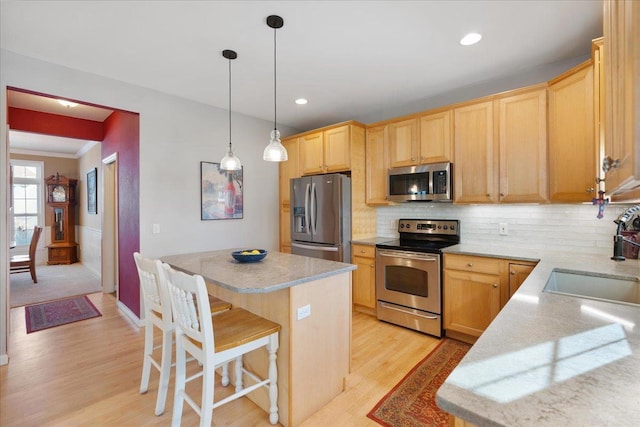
230 162
275 151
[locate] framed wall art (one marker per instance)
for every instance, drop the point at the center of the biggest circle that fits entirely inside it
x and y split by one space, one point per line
92 191
220 192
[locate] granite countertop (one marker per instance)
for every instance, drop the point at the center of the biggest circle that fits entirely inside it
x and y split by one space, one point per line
277 271
548 359
371 241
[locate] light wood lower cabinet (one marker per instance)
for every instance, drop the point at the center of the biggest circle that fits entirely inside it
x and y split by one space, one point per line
364 278
518 272
475 290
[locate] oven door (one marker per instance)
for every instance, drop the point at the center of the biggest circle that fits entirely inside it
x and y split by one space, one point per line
410 279
408 290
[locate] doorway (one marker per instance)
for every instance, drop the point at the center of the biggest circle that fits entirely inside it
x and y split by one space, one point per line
110 225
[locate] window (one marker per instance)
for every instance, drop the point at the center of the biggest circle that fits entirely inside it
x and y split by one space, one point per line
27 199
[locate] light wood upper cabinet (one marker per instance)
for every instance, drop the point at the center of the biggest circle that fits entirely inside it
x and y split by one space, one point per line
403 143
436 144
476 154
312 153
337 154
326 152
621 38
377 164
426 139
572 167
522 124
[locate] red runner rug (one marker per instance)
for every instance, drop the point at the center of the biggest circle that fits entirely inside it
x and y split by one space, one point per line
60 312
412 402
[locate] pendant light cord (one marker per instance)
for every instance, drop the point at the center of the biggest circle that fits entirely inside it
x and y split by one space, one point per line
275 108
229 104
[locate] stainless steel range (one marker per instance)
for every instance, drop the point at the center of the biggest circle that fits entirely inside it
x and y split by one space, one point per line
409 274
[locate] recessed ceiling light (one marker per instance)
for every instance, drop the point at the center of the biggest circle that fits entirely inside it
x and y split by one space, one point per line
67 104
301 101
471 38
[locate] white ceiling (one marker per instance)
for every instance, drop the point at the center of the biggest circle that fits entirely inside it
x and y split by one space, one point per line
359 60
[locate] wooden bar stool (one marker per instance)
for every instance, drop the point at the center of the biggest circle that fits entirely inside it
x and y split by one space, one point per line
157 313
214 341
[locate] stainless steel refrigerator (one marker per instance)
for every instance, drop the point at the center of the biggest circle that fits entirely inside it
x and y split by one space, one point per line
321 216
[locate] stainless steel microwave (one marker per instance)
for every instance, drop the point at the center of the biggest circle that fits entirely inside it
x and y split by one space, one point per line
432 182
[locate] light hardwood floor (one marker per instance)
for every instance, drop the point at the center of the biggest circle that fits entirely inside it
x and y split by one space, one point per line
88 374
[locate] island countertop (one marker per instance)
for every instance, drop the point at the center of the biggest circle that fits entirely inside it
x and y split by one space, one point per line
548 359
277 271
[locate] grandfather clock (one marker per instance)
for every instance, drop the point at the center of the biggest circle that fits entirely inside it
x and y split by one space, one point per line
61 198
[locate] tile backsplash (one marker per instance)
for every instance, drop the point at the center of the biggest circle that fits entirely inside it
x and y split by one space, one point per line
564 227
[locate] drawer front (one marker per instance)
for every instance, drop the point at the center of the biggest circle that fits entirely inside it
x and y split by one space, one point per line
475 264
363 251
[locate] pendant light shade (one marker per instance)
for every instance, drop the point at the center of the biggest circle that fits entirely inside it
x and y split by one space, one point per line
230 162
275 151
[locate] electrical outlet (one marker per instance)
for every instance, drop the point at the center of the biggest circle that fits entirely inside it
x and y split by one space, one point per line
503 229
156 228
304 311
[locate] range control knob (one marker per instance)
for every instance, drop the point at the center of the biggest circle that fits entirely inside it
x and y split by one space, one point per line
445 227
401 225
453 227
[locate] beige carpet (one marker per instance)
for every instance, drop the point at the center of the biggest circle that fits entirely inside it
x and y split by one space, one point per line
54 282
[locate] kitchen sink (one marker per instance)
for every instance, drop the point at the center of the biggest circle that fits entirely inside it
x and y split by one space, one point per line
619 289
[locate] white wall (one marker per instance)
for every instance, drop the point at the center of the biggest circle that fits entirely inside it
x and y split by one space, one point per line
570 228
175 135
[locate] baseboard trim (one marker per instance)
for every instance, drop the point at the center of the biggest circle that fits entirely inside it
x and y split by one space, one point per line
130 314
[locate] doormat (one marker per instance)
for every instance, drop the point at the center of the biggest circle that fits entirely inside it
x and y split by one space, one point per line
412 402
55 313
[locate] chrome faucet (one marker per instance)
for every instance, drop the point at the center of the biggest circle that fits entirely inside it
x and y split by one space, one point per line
619 239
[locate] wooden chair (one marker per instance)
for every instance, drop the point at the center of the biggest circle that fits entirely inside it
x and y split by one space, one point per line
157 313
214 341
27 263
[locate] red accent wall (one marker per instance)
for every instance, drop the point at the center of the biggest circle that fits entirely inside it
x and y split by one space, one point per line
122 136
54 124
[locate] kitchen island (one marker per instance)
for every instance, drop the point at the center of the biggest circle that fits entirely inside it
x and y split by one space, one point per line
311 300
548 359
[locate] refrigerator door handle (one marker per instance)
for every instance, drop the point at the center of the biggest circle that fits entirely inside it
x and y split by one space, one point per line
306 208
316 248
313 208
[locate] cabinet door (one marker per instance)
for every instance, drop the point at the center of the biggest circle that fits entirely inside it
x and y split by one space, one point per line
435 137
288 170
476 169
311 153
622 97
364 285
471 301
377 164
285 229
517 274
337 153
572 142
403 143
522 122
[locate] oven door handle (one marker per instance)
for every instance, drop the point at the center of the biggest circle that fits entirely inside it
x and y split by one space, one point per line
382 304
404 255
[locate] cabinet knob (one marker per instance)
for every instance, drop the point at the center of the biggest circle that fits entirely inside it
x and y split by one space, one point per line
488 194
470 264
373 265
590 190
413 159
495 285
513 272
501 194
362 251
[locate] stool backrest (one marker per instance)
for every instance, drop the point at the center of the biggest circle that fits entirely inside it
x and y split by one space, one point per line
191 309
155 293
